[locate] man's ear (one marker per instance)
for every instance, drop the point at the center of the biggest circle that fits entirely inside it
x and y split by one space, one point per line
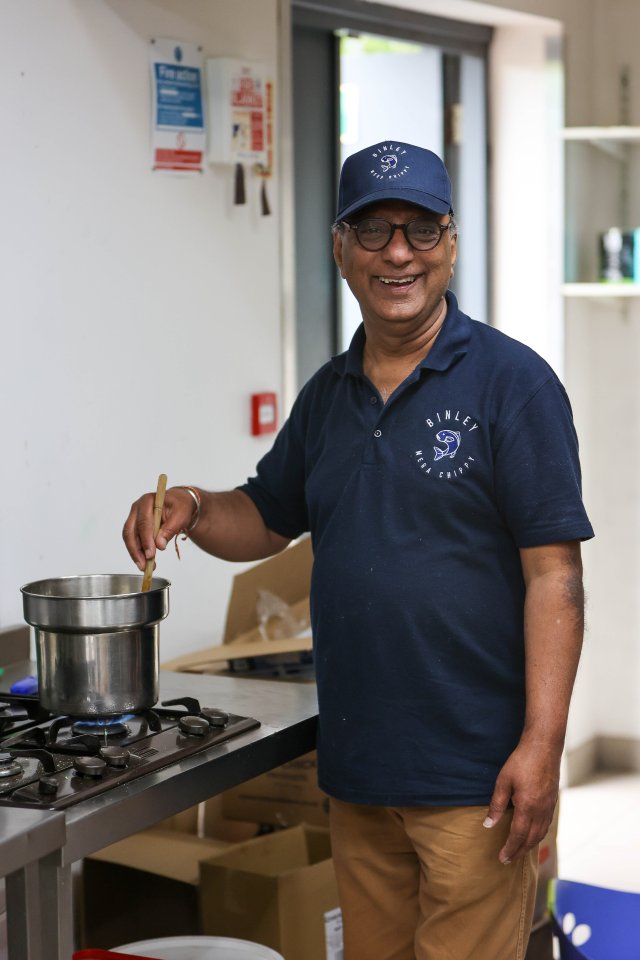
454 249
337 251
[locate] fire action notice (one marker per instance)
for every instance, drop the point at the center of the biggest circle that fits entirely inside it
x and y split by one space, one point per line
178 128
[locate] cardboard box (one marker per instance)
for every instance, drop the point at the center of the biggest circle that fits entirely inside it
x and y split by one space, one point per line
267 616
273 890
14 644
186 822
208 820
147 885
547 870
283 797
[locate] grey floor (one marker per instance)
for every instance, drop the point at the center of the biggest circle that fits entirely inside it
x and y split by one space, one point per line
599 832
598 840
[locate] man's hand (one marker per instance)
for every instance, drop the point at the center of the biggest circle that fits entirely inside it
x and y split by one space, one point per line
177 513
229 526
529 780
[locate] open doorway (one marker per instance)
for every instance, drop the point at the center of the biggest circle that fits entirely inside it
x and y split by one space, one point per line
358 81
381 78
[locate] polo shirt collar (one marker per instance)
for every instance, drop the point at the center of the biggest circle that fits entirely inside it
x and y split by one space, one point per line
451 343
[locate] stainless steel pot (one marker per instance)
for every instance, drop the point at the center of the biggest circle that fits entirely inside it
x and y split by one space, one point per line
97 642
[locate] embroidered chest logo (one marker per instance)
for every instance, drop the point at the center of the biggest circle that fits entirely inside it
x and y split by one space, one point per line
451 439
447 445
388 162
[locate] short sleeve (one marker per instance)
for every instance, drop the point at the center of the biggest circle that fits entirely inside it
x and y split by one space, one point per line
277 489
537 471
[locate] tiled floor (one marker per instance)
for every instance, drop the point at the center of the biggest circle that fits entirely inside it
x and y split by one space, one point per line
598 840
599 832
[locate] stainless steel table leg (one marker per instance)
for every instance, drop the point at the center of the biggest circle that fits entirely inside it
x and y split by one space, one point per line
56 893
40 911
24 920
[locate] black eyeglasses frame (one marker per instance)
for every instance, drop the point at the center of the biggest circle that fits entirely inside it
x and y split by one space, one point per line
442 227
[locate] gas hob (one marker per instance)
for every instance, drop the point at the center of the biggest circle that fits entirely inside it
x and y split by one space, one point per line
51 762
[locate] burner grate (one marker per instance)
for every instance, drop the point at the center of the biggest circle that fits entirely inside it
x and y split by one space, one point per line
54 763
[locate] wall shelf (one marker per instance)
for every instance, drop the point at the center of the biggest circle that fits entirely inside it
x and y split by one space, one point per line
602 291
596 134
601 191
611 140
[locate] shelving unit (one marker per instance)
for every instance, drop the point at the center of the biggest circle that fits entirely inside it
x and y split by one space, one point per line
600 194
608 139
601 291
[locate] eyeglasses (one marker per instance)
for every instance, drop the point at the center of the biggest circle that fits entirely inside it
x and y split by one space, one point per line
419 234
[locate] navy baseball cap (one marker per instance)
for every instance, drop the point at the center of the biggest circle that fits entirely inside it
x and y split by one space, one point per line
394 171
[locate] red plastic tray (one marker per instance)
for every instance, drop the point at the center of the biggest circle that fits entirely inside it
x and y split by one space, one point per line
106 955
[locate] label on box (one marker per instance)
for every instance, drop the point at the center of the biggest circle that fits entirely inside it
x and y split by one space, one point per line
333 934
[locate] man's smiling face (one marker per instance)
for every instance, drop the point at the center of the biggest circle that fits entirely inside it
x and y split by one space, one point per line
396 286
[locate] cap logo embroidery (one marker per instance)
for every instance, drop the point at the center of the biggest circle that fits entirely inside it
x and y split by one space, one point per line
388 157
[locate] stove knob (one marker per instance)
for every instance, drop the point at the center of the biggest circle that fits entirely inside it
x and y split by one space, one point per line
90 766
217 718
47 786
9 767
115 756
194 726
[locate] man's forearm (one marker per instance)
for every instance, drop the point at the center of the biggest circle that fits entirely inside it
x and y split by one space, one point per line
553 622
554 625
231 527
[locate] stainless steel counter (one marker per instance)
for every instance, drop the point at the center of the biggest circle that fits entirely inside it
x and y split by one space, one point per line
288 716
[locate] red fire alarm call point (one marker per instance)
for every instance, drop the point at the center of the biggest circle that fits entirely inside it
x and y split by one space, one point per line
264 410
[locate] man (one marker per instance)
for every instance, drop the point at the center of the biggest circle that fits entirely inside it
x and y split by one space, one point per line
435 464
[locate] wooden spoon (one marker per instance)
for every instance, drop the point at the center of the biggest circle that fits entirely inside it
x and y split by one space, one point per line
157 520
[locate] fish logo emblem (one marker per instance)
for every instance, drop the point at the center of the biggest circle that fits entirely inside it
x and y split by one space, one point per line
451 439
389 161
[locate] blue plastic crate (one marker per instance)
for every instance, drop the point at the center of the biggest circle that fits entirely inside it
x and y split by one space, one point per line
594 923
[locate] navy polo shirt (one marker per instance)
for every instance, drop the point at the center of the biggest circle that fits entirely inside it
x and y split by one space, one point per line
417 510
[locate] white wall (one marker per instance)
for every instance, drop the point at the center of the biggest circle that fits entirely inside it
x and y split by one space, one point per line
140 311
604 342
527 112
604 363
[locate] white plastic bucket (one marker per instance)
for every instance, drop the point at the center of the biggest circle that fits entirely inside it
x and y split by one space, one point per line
200 948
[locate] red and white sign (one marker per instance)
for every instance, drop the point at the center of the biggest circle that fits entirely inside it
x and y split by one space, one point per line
237 103
264 413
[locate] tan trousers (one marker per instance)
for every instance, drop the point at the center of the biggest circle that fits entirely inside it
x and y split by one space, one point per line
425 883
